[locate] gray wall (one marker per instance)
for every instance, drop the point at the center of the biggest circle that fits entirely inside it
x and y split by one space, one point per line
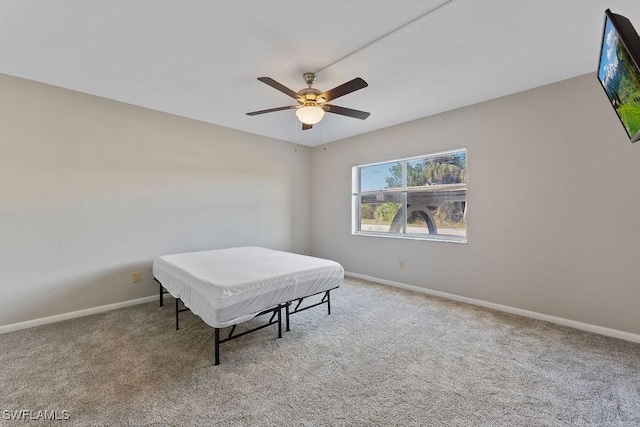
553 206
92 190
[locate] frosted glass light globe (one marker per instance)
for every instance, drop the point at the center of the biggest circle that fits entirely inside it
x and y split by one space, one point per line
310 114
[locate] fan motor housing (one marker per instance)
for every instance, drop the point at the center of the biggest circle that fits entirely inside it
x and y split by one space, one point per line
310 94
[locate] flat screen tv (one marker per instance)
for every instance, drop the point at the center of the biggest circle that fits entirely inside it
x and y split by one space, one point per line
619 70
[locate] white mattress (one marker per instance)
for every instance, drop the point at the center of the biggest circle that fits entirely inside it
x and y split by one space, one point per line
229 286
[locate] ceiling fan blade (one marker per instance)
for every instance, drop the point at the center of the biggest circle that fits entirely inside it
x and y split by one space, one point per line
277 86
306 126
349 112
343 89
271 110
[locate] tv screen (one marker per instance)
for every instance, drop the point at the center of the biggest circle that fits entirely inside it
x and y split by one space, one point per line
619 70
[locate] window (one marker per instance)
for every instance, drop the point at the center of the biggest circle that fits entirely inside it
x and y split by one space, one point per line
421 197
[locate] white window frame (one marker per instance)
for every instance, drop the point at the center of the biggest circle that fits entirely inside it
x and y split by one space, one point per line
356 199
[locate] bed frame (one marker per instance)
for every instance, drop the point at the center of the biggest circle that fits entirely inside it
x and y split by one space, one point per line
276 311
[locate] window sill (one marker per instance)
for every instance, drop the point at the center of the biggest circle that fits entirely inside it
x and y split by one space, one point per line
442 238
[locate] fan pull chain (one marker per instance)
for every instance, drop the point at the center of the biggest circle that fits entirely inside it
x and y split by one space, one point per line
324 134
295 131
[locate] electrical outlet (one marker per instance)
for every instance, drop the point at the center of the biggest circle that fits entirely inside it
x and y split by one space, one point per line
135 277
401 265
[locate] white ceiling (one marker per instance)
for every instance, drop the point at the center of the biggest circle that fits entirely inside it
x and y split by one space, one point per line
200 59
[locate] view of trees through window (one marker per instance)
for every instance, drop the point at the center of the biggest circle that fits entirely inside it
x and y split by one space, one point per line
430 191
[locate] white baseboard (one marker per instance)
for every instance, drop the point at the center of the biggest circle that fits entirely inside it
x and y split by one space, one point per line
627 336
73 314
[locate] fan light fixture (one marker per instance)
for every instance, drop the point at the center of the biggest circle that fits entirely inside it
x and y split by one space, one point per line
310 113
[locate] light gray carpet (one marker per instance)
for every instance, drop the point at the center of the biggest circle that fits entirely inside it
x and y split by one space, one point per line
385 357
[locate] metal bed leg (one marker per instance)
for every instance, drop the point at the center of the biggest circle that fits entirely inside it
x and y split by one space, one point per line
279 321
287 313
161 296
217 346
329 301
177 312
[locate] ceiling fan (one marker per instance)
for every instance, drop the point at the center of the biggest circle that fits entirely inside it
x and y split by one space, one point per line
312 104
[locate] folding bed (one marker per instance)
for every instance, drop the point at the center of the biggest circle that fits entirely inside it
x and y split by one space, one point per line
225 287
